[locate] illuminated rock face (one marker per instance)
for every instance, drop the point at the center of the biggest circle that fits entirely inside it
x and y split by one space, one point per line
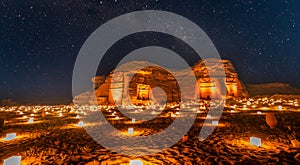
209 85
139 87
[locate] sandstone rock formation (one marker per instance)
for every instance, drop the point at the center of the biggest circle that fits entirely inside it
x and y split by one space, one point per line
142 85
234 87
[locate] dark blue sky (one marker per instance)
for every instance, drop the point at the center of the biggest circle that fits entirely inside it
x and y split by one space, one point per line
39 41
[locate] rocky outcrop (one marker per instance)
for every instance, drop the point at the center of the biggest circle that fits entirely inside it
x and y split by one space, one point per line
8 102
141 86
234 87
272 89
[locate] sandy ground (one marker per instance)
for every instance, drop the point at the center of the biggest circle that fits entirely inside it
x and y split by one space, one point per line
57 140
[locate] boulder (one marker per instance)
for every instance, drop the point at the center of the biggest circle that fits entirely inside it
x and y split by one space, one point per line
271 120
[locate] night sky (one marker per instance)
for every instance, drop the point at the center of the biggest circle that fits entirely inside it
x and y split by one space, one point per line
39 41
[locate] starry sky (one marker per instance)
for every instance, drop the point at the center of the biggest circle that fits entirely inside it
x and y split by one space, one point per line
39 40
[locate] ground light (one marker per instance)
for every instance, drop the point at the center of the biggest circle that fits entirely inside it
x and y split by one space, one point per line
14 160
10 136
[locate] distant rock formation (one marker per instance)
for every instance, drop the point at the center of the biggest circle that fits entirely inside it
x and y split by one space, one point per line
125 80
272 89
8 102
